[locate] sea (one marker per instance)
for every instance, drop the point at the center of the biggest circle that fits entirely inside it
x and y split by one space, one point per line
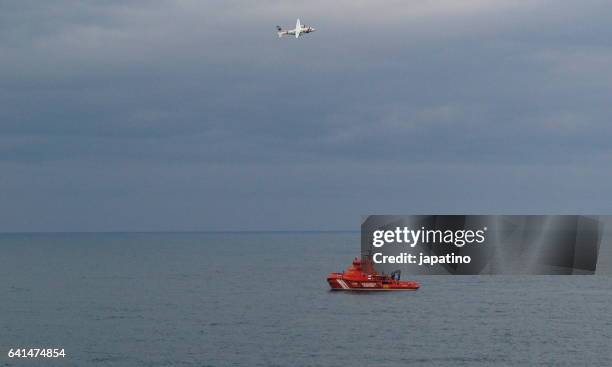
261 299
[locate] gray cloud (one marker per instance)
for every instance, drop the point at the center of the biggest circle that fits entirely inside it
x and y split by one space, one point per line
193 115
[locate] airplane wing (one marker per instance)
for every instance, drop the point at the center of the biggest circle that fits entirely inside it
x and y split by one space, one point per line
298 28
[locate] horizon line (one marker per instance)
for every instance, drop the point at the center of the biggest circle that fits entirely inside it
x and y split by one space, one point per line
186 231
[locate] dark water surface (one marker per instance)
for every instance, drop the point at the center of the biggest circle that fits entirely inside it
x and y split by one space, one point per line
260 299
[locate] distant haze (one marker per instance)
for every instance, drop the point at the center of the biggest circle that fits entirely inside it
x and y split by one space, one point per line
192 115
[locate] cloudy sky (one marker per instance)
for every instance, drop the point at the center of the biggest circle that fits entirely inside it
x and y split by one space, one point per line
193 115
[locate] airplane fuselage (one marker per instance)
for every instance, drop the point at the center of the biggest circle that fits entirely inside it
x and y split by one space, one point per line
292 32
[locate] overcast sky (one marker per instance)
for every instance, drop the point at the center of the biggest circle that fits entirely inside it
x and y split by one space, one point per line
194 115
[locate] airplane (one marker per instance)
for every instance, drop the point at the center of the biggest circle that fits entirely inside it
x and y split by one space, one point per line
298 31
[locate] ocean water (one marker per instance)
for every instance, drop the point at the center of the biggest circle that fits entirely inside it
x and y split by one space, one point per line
260 299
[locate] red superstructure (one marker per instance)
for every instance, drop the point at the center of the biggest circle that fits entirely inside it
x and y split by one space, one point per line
355 278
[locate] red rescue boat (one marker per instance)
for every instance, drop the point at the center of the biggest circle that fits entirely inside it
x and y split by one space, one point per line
356 278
